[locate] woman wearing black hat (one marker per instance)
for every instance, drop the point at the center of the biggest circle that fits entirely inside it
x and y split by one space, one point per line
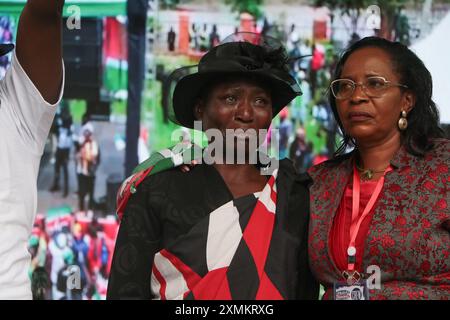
220 231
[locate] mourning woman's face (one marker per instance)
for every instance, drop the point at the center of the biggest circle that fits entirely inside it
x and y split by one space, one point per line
236 104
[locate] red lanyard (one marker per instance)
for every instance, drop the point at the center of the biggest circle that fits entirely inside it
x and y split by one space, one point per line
354 228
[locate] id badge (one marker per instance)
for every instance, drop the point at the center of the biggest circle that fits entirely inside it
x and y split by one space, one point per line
356 291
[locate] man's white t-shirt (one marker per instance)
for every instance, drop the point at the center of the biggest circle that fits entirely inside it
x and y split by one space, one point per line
25 121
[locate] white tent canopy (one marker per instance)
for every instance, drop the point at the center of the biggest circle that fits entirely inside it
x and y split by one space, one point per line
434 50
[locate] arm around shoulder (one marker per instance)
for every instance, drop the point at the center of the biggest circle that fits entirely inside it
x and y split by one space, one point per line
137 242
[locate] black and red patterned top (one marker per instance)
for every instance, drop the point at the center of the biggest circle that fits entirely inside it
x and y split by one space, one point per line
409 233
183 236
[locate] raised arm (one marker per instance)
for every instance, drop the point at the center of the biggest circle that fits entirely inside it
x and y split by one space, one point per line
39 47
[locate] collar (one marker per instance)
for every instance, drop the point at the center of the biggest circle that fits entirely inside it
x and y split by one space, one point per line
344 163
402 158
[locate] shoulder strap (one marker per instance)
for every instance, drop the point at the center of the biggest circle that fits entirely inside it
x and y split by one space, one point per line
182 153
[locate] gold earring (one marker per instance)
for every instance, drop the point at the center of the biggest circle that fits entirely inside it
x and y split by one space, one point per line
403 122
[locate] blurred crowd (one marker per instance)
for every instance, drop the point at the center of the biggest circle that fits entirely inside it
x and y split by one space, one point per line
6 36
71 256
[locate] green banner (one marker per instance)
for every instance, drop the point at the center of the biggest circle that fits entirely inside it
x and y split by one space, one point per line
88 8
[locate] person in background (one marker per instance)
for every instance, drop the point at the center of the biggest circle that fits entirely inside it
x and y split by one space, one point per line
305 50
214 38
284 132
58 248
29 94
62 281
171 36
97 258
194 38
88 159
300 151
37 245
78 139
293 43
40 284
63 128
317 63
204 38
306 97
80 251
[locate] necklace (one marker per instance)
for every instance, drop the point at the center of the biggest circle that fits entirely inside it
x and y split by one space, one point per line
367 174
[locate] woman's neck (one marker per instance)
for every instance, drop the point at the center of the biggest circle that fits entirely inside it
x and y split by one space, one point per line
241 179
237 173
377 155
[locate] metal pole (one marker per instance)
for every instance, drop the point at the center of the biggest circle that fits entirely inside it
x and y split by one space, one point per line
137 18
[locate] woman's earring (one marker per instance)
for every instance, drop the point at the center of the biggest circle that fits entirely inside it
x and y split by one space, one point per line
403 122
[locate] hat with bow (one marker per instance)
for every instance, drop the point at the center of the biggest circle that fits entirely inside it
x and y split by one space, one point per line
256 59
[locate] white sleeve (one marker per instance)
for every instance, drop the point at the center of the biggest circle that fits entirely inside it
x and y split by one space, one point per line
28 115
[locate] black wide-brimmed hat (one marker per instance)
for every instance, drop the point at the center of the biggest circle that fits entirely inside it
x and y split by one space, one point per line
246 55
5 48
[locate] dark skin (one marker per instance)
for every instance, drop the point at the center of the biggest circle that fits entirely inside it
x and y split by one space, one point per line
372 122
39 48
243 105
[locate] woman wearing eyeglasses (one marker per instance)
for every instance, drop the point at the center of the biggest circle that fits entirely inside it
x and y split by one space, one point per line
380 219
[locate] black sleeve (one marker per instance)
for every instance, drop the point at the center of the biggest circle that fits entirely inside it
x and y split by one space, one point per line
310 289
309 286
137 242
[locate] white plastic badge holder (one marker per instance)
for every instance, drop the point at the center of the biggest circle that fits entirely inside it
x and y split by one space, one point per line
356 291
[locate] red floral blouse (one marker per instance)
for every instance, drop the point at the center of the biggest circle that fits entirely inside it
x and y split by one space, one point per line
408 236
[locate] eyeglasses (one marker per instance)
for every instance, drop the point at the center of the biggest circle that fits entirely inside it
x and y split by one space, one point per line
373 87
